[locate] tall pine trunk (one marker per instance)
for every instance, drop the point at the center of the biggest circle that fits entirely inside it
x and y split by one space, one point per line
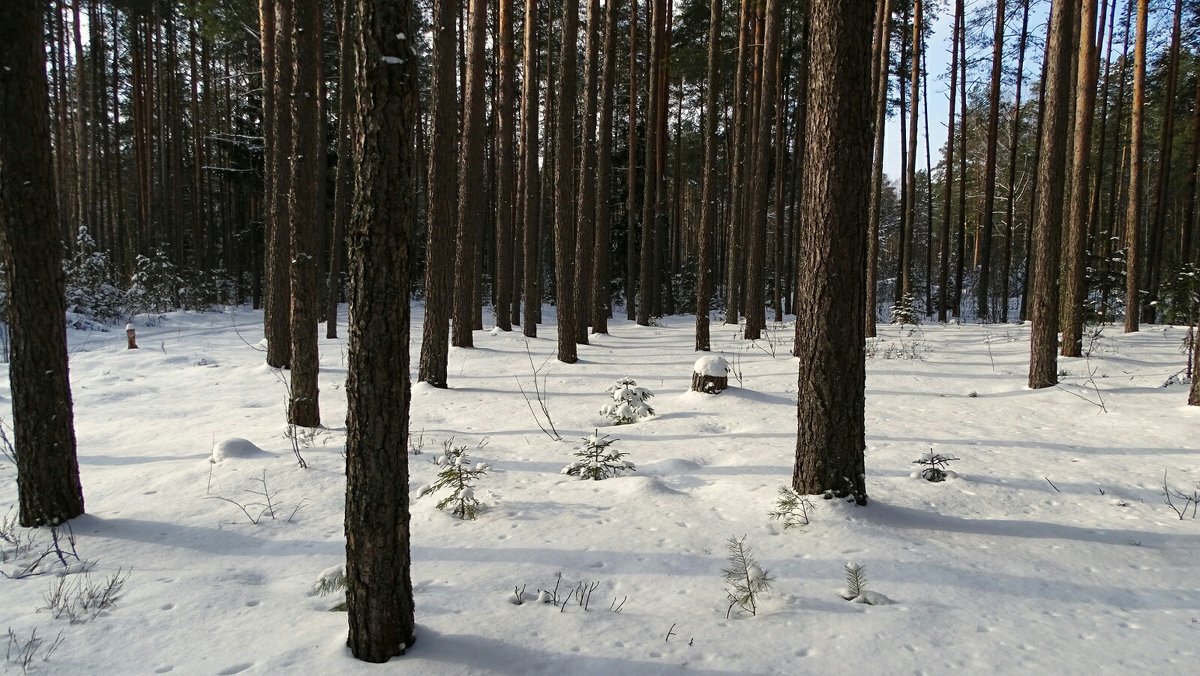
48 488
830 438
379 591
1047 236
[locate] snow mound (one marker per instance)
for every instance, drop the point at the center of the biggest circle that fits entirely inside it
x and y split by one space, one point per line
235 447
711 366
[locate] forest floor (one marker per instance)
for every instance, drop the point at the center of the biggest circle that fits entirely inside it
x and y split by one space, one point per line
1052 551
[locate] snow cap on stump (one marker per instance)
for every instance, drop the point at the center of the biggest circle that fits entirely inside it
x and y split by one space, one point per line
710 374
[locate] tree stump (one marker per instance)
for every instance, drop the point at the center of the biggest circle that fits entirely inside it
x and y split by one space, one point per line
710 375
130 337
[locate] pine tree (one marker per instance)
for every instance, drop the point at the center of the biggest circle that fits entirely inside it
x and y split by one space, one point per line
831 432
48 488
379 593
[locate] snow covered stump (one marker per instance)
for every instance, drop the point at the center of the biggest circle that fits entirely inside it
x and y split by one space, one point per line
130 337
710 375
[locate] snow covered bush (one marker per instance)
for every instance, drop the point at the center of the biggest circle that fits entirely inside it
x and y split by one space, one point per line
904 311
628 402
597 461
203 289
745 580
90 288
155 284
934 467
459 477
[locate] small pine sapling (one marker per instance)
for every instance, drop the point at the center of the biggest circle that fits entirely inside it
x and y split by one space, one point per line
934 467
791 508
597 460
459 476
856 590
856 580
331 580
628 402
744 579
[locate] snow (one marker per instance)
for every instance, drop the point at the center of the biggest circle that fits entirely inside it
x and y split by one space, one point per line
711 366
235 447
996 571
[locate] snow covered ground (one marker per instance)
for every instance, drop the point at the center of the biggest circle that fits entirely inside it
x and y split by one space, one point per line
1052 551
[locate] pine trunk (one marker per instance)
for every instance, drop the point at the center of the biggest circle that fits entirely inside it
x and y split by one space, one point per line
48 488
1051 177
830 439
379 593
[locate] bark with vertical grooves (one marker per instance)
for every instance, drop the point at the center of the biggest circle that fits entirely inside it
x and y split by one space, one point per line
276 305
708 197
600 278
470 181
504 172
443 191
1051 177
646 292
1133 214
531 182
303 400
831 434
585 215
379 593
48 488
564 159
761 185
344 188
631 211
1158 226
944 268
882 74
983 282
1075 246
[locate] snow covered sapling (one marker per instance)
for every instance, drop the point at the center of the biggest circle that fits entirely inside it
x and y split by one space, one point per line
459 476
628 402
934 467
904 311
856 590
791 508
597 461
744 579
330 581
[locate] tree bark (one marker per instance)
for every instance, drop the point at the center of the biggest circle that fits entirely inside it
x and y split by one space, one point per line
882 74
470 180
564 159
48 488
1047 236
585 216
1133 214
277 302
1158 227
344 188
600 254
531 182
761 184
708 198
505 181
379 594
646 290
303 407
989 172
830 438
944 266
1075 247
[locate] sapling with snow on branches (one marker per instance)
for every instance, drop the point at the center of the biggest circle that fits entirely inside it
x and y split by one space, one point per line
459 476
629 402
